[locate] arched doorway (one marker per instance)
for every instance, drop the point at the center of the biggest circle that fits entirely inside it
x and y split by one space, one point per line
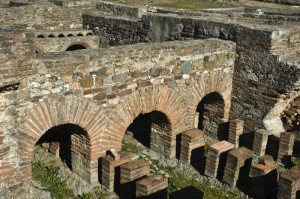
76 47
71 145
151 130
210 113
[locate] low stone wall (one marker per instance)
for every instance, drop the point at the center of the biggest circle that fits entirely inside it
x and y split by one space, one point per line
120 10
289 2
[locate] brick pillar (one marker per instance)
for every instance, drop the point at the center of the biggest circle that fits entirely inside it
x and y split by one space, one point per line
260 142
286 144
213 157
288 184
130 173
152 187
264 177
108 168
235 160
236 128
190 140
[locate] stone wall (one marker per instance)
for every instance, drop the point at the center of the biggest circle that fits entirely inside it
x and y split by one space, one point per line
116 30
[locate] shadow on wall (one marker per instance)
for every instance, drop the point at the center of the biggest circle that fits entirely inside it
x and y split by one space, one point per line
149 128
211 113
62 135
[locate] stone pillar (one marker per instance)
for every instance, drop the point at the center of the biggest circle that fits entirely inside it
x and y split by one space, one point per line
236 128
190 140
260 142
152 187
235 160
286 144
264 177
289 184
109 163
130 173
213 157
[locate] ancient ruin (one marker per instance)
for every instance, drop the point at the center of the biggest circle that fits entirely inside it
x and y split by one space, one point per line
121 96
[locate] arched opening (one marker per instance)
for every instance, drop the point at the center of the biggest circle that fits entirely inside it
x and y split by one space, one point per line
40 36
79 34
61 35
69 145
70 35
51 36
210 117
75 47
89 34
151 130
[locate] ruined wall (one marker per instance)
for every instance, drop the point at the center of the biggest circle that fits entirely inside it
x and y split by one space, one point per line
116 30
102 91
259 77
16 60
40 16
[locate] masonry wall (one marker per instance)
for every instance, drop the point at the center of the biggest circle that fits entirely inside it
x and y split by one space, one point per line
260 76
102 91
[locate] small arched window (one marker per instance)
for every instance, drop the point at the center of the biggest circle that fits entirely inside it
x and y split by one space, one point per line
75 47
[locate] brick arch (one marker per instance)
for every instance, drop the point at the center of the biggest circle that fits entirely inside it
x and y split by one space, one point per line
142 101
57 111
85 45
209 83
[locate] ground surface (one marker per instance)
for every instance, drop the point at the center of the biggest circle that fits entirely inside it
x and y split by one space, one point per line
192 4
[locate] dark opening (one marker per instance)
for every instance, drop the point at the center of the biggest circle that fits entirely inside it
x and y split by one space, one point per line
62 135
272 146
298 194
222 164
150 129
41 36
244 180
51 36
61 35
89 34
76 47
117 181
80 35
70 35
198 159
178 145
141 129
211 113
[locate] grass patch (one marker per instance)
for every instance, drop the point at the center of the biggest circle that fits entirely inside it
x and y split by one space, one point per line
295 161
48 177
